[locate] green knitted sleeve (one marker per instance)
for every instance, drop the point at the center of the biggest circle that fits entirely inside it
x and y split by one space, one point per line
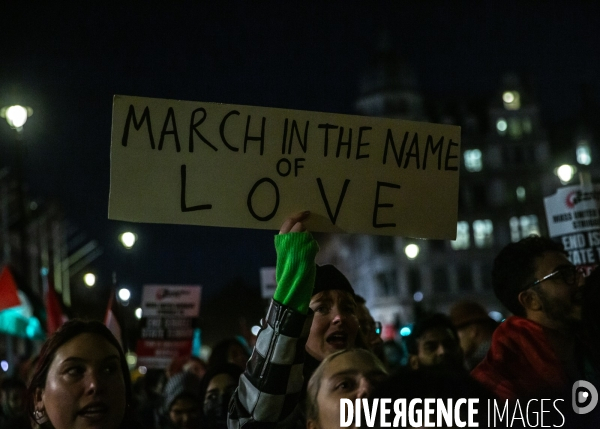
295 272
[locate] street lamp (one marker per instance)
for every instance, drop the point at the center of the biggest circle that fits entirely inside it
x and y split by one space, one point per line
565 173
124 294
89 279
16 115
411 251
128 239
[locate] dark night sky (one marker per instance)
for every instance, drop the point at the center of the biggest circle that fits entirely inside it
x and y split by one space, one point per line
67 62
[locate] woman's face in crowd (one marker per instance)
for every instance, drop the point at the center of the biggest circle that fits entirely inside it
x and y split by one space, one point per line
218 393
84 387
348 376
335 324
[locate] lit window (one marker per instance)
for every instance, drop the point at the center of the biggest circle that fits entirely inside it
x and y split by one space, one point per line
512 100
515 231
521 194
524 226
501 126
583 153
463 237
473 160
527 126
483 231
529 225
514 128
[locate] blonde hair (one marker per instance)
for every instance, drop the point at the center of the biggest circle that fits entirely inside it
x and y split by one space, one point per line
314 384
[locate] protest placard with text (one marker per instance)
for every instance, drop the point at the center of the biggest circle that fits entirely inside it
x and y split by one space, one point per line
199 163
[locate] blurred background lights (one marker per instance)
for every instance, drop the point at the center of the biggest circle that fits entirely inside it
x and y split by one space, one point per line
405 332
255 330
143 370
583 154
521 194
508 97
124 294
131 359
128 239
565 173
16 115
138 313
418 296
501 125
512 100
89 279
4 365
411 251
496 315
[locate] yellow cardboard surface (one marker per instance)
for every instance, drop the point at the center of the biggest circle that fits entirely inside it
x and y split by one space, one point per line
197 163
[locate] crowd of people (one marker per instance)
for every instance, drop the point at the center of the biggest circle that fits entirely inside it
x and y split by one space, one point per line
319 345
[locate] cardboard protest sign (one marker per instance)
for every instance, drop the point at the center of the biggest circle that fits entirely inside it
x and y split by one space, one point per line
574 220
168 316
197 163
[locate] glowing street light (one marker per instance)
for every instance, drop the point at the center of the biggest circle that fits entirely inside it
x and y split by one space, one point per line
128 239
138 313
89 279
411 251
565 173
124 294
16 115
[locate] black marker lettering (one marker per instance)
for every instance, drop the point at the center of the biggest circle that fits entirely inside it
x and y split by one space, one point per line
333 216
184 207
343 143
285 125
170 118
398 156
411 154
377 205
450 157
249 202
326 140
288 168
194 129
222 130
295 128
360 143
434 149
260 138
137 125
297 165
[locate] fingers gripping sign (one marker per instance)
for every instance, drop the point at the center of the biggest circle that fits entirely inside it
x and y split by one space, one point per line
294 223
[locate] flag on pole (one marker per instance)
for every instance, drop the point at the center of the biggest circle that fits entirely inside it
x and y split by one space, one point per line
8 290
54 314
111 319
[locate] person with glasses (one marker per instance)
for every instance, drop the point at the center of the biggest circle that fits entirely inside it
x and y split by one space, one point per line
534 351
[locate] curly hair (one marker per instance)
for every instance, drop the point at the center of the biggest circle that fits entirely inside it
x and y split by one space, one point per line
514 268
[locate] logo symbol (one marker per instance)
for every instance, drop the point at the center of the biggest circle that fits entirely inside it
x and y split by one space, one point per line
585 397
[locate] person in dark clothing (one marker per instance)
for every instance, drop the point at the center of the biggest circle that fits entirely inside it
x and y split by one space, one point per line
434 342
218 385
312 315
181 402
13 414
534 351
